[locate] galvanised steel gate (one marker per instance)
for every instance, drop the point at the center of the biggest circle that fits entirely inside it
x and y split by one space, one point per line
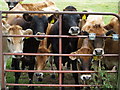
60 71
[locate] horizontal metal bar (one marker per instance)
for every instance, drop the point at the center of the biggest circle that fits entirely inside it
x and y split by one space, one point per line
52 85
59 36
56 71
51 54
63 12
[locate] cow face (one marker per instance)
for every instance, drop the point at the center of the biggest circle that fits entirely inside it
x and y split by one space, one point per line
15 44
37 24
98 43
11 5
70 22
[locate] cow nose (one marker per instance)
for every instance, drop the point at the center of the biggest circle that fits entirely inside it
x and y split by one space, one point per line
98 51
17 56
85 77
39 38
74 30
39 75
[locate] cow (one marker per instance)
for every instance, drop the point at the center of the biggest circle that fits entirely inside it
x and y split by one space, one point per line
41 6
70 24
38 26
94 24
111 46
84 61
13 44
41 61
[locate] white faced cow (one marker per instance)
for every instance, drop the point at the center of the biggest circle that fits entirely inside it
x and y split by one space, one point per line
13 44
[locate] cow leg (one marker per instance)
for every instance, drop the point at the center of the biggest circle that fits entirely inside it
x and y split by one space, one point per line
51 61
56 61
12 65
75 75
17 74
30 74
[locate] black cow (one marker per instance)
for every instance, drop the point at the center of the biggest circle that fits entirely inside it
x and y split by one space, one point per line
69 27
39 26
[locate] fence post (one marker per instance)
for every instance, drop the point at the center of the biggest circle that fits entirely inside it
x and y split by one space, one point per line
2 81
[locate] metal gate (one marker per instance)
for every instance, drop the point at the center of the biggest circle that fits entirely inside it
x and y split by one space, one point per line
60 71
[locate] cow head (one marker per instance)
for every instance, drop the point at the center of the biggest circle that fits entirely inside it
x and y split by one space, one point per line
70 22
12 4
98 43
15 44
37 24
84 62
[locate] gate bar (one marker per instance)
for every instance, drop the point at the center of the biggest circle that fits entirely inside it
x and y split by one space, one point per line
53 85
58 71
2 76
58 36
50 54
62 12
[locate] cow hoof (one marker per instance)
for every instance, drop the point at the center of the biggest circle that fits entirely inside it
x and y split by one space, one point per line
40 79
53 76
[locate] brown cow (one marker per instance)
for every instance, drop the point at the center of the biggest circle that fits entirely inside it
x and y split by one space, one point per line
41 60
13 44
111 46
41 6
84 61
95 25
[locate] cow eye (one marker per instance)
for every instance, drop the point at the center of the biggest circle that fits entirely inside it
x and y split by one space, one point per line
8 40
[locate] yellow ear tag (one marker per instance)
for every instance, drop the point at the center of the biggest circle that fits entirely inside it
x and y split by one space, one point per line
95 58
84 17
27 37
52 21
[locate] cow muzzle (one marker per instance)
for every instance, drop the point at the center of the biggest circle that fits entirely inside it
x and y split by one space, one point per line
85 77
98 52
39 76
74 30
17 56
39 38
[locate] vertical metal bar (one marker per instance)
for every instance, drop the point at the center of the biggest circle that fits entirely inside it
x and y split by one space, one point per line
60 49
118 82
1 56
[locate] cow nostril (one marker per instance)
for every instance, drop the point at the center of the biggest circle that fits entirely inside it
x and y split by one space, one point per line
74 30
85 77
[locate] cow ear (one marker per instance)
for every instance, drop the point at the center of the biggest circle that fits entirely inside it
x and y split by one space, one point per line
110 32
84 33
28 32
52 18
5 27
27 17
